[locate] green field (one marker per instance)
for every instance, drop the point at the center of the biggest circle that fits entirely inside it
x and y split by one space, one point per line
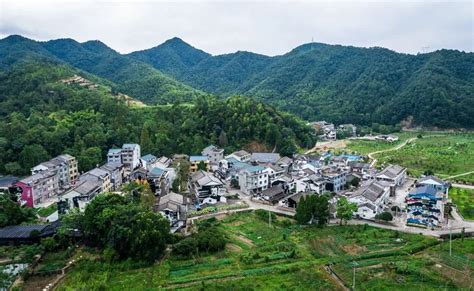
446 155
364 147
464 200
285 256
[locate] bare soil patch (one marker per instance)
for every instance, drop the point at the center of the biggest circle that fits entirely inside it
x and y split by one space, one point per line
245 240
233 248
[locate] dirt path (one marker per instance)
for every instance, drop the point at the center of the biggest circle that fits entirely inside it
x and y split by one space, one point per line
396 148
459 175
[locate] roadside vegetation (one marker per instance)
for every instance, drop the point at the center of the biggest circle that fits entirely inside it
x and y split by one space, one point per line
464 201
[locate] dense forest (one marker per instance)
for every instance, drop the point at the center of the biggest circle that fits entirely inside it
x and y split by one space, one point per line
342 84
41 117
337 83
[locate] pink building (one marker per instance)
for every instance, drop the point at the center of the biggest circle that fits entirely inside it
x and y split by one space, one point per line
38 188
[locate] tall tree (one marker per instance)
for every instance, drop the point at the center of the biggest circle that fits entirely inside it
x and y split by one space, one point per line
345 209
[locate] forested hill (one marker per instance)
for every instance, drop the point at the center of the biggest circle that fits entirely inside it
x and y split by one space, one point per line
316 81
41 117
127 75
337 83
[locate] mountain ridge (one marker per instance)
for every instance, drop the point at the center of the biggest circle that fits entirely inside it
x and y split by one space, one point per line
342 84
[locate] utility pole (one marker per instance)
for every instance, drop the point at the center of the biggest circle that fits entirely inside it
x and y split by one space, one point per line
354 264
354 276
450 242
269 219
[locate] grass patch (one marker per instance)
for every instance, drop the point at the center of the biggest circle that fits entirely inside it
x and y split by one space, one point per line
464 200
47 211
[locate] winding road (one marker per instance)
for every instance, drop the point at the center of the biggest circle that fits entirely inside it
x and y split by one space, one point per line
396 148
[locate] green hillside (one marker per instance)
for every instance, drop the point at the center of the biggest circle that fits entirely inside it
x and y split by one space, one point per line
340 83
41 117
127 75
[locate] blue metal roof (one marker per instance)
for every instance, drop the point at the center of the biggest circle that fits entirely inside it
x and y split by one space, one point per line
198 158
156 172
253 169
148 158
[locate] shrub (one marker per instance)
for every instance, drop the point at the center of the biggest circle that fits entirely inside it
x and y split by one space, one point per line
263 214
386 216
49 243
209 240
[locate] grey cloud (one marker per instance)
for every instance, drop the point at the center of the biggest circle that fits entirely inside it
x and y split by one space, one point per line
267 27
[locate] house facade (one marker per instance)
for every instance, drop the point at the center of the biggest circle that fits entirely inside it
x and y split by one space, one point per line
204 184
39 188
253 180
196 160
371 199
393 174
214 154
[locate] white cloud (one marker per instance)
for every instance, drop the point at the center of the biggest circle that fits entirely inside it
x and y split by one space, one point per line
267 27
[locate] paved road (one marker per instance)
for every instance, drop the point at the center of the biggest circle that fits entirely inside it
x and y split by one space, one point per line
456 225
462 186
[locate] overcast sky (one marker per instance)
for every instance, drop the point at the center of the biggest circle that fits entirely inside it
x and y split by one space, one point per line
267 27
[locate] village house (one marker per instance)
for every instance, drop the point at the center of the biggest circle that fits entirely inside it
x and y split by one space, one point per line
214 154
371 199
273 172
203 184
163 162
39 188
114 156
285 163
174 207
241 156
117 175
273 194
335 179
253 180
393 174
84 192
149 161
100 175
265 158
293 200
436 182
131 154
65 167
159 180
7 185
196 161
326 130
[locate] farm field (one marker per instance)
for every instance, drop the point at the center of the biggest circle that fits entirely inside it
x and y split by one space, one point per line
446 155
464 200
286 256
364 147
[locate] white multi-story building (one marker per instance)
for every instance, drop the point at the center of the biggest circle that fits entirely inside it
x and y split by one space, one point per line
114 156
214 154
131 155
253 180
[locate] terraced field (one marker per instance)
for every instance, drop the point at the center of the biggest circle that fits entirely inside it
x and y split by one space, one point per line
286 256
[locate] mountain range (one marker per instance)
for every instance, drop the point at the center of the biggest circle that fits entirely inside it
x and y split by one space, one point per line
315 81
